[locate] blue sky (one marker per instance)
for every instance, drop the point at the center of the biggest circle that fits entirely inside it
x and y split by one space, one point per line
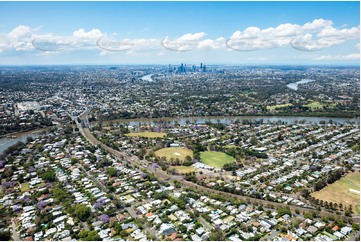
191 32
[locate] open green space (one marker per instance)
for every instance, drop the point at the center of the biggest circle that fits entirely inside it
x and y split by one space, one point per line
345 191
314 105
270 108
147 134
184 169
216 159
24 187
174 152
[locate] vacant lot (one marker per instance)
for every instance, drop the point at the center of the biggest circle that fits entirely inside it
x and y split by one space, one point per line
147 134
184 169
174 152
216 159
270 108
342 191
24 187
314 105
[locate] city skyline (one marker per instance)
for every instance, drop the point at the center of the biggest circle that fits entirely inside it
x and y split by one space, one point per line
237 33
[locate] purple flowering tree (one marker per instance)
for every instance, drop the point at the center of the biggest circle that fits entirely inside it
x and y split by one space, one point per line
40 205
32 169
8 184
98 205
104 218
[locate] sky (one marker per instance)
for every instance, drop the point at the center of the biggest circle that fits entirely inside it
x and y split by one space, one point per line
237 33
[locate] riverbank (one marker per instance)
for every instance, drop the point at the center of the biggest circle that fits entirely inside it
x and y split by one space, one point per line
6 142
25 131
230 119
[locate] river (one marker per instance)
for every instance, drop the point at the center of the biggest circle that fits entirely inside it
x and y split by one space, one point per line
294 85
7 142
229 120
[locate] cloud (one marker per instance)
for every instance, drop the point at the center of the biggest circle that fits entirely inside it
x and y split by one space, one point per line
92 34
192 41
354 56
192 37
20 38
317 24
315 35
25 38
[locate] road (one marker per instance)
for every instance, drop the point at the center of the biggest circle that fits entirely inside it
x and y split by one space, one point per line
130 210
205 223
15 234
166 177
354 237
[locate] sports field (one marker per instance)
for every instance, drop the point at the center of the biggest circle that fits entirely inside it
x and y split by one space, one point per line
147 134
174 152
345 191
216 159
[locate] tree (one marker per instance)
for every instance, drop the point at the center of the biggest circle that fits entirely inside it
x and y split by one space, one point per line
183 229
217 235
254 140
191 178
177 183
112 171
82 212
230 166
188 158
48 176
5 235
88 235
355 227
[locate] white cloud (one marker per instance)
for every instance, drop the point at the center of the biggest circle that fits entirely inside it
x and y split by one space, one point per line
314 35
354 56
318 34
20 32
92 34
192 37
20 38
317 24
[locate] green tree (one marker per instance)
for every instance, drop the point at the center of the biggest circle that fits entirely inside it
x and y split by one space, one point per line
89 235
82 212
112 171
5 235
217 235
48 176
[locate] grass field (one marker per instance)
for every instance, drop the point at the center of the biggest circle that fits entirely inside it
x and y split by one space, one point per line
147 134
339 191
24 187
184 169
174 152
314 105
216 159
270 108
